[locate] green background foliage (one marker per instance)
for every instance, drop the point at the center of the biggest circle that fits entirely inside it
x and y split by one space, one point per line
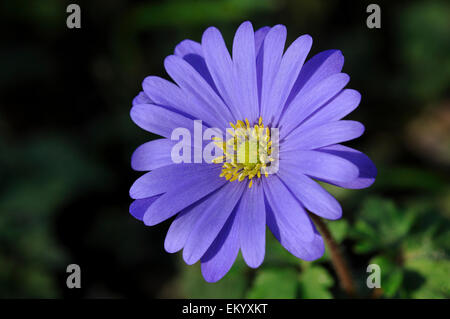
66 140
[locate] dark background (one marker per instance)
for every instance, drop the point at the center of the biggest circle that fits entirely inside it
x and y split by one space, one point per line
66 139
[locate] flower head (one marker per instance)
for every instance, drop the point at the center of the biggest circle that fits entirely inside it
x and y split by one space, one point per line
260 178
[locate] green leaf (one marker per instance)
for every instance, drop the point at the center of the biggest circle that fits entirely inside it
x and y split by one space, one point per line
233 285
435 275
315 282
274 283
391 275
411 246
380 224
277 255
339 229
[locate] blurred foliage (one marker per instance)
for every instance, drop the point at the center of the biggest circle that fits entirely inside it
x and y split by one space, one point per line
191 13
52 169
315 282
424 50
274 283
411 246
66 140
232 286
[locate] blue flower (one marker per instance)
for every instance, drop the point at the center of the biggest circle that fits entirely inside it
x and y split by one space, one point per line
223 207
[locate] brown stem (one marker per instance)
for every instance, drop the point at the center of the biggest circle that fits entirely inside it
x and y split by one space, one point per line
337 259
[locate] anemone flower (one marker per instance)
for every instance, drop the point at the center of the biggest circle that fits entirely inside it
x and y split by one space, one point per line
222 207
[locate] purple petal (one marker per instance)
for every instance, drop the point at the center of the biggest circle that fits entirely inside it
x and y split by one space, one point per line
367 169
290 67
167 95
139 206
220 66
305 104
159 120
251 216
183 193
187 47
220 206
152 155
192 53
271 56
323 135
320 165
141 98
290 238
244 71
182 226
260 34
287 208
317 69
344 103
222 253
201 96
309 193
164 178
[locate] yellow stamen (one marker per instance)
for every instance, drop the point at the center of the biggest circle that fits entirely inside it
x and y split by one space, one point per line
250 153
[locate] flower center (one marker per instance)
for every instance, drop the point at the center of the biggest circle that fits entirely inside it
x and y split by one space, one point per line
247 151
